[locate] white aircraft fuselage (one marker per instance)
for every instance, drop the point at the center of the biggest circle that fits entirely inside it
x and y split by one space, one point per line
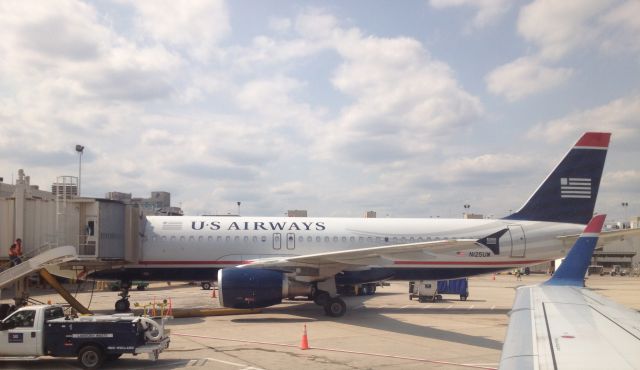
194 248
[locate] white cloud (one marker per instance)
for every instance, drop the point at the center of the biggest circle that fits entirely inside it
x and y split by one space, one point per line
619 116
487 11
485 167
523 77
558 27
402 98
621 27
196 25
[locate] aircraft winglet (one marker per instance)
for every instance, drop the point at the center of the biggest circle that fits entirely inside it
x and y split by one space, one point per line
575 265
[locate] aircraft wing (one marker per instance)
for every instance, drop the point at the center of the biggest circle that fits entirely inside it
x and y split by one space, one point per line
606 236
364 256
560 324
556 327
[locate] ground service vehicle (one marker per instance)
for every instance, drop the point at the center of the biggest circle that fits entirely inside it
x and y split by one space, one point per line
44 330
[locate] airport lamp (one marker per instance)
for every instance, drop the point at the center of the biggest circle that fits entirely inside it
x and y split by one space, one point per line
80 150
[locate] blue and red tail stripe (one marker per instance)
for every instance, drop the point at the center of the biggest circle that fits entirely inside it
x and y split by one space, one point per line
575 265
569 193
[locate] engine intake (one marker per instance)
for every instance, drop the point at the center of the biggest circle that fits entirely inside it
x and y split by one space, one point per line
256 288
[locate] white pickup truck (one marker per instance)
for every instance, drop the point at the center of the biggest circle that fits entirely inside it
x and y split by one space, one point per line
44 330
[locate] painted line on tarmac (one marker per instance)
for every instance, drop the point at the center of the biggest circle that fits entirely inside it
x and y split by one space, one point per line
471 308
243 366
341 351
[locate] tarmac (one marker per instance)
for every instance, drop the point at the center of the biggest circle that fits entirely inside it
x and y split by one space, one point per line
383 331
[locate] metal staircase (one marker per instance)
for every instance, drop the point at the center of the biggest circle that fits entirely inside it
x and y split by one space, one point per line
45 256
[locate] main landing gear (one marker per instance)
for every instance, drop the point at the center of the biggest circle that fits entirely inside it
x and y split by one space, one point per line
333 305
122 304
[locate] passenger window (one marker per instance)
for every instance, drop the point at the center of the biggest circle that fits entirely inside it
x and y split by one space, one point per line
335 239
344 239
327 239
210 238
200 238
219 238
361 239
309 239
246 239
264 238
301 238
164 238
237 239
369 239
377 238
352 239
182 238
255 239
173 238
318 239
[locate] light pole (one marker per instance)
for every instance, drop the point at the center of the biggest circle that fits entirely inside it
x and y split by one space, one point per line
238 207
624 205
466 209
80 150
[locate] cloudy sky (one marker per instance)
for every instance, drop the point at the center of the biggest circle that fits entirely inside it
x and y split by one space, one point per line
409 108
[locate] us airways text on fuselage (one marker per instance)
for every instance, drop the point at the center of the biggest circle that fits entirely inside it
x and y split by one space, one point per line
260 225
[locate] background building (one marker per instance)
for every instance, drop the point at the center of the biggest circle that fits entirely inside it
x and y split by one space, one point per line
159 203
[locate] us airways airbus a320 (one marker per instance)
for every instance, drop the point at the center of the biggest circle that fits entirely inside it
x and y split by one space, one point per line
258 261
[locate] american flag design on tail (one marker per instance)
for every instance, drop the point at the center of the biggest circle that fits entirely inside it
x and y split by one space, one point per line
575 187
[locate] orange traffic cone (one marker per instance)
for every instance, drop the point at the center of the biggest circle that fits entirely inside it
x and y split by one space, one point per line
213 293
304 344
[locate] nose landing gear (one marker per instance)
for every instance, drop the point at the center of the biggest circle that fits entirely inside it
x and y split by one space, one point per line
122 304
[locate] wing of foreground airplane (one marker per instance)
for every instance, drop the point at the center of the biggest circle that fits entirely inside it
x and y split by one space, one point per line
560 324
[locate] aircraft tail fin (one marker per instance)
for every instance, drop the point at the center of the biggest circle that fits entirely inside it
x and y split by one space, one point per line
569 193
575 265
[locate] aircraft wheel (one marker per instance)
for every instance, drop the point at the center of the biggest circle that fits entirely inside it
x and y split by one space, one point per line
122 305
321 298
206 285
335 307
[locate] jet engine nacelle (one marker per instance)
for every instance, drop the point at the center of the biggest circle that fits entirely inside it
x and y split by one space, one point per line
256 288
